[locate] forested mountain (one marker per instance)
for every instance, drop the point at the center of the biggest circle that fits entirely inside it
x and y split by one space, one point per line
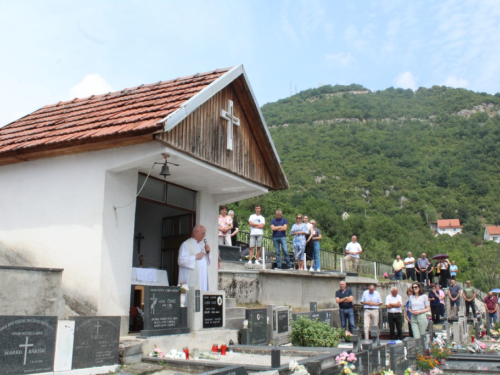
394 160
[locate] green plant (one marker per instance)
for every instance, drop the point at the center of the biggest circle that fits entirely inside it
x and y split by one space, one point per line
313 333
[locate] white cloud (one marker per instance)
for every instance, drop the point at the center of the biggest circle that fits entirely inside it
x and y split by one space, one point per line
406 80
452 81
342 58
92 84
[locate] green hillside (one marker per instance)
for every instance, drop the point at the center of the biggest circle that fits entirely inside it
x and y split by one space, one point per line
394 160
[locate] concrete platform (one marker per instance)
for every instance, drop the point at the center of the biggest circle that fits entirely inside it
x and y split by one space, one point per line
203 340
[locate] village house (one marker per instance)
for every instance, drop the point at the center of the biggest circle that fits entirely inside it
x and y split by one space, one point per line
99 185
450 227
492 233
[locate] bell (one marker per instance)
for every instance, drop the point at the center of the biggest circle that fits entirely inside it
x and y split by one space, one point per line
164 171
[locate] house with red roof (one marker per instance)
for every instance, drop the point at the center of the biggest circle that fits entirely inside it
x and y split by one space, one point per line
450 227
492 233
104 185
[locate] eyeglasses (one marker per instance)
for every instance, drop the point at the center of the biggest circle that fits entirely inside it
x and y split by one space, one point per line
415 287
299 217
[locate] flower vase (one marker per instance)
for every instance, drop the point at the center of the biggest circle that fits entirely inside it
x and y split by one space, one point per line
183 299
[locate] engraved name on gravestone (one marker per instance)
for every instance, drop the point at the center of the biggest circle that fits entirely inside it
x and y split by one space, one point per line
283 321
257 326
411 348
326 317
162 307
313 306
213 310
27 344
96 341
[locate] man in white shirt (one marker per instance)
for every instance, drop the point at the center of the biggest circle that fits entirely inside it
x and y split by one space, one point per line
371 300
352 249
410 267
194 259
393 304
257 223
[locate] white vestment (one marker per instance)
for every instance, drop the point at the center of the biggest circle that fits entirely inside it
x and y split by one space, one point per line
191 271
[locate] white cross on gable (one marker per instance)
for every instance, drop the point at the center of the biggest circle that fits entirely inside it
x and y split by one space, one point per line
26 346
97 326
231 120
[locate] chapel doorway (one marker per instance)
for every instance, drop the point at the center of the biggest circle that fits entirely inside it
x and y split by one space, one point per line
164 218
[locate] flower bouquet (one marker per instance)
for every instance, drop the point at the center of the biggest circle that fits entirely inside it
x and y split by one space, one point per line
347 336
347 360
426 363
183 288
441 354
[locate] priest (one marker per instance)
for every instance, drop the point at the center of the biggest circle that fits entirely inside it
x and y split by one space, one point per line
194 259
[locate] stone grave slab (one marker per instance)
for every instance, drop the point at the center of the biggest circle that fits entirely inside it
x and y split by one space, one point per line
27 344
97 339
163 314
279 327
398 360
64 345
257 326
213 311
230 253
375 335
283 321
313 306
307 315
232 370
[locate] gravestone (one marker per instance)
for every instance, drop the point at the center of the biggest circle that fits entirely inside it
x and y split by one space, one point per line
307 315
96 341
411 346
488 325
431 329
355 339
230 253
383 318
313 306
363 363
447 329
279 327
163 314
375 333
398 360
425 342
213 311
377 359
326 317
257 326
476 329
457 335
27 344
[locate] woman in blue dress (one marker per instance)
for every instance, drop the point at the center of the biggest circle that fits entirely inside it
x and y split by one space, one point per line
299 232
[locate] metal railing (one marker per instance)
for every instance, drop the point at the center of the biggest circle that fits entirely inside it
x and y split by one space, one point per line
329 259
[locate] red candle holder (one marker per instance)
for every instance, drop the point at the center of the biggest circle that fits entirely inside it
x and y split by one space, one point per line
186 352
215 348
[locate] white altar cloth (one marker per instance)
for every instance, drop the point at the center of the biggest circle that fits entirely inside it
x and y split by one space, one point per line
149 276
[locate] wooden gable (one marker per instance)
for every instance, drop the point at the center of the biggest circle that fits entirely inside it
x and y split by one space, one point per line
203 135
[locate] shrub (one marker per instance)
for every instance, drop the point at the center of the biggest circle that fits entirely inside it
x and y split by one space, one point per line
313 333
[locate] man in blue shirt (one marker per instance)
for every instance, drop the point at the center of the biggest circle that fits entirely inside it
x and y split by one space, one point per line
371 301
279 225
344 299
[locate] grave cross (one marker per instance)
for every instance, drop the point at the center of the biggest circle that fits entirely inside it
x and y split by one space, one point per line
231 120
154 299
25 346
139 238
97 326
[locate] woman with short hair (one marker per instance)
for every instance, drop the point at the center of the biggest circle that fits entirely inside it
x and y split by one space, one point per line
419 305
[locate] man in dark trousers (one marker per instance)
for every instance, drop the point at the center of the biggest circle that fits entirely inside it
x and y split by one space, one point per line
344 299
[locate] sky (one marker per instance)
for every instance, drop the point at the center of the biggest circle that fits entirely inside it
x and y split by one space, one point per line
53 51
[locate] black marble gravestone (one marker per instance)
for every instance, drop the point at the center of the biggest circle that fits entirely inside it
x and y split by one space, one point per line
306 315
213 311
356 347
163 314
313 306
398 360
27 344
411 346
96 341
257 326
282 321
377 359
375 334
363 363
325 317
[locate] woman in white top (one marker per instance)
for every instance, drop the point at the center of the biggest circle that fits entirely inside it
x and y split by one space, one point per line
419 305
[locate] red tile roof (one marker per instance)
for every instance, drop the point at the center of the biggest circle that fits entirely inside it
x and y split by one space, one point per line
132 111
493 229
449 223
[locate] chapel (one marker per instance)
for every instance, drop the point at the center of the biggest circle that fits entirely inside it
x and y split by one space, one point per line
104 185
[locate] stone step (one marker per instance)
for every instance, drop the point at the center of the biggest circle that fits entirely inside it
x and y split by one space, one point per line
234 323
235 312
230 302
241 266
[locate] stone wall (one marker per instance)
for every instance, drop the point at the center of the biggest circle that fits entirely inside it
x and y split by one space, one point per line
31 291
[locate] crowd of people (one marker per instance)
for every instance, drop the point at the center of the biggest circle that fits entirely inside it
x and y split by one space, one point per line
306 238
